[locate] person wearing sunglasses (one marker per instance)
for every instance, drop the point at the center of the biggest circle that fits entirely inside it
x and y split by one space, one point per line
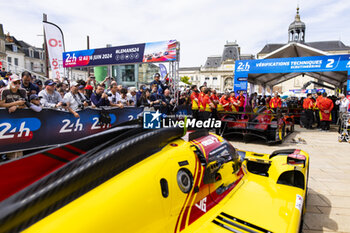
13 96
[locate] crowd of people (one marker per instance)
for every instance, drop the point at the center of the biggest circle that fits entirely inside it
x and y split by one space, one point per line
203 102
28 92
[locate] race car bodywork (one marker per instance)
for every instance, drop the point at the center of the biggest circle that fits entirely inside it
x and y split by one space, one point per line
265 124
164 181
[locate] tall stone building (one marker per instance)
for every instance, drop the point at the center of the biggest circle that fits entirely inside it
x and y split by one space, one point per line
218 70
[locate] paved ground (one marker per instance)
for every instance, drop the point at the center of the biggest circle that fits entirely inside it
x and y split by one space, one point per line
328 207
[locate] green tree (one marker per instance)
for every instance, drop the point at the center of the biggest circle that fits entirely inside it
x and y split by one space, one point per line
185 79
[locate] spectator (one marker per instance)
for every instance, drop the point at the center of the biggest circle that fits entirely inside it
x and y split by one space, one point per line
3 72
157 82
145 99
28 85
123 97
35 103
99 98
75 100
114 96
88 91
50 97
13 97
62 92
156 99
343 104
132 96
169 103
139 93
39 84
4 81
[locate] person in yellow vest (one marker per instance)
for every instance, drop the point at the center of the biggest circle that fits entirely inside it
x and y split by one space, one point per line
200 97
275 102
195 101
207 104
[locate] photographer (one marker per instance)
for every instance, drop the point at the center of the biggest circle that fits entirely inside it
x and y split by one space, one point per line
99 98
114 96
75 101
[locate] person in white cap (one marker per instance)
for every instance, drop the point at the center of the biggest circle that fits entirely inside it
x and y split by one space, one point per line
74 99
13 96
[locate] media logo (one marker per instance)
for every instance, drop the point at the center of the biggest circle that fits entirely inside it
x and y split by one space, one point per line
152 120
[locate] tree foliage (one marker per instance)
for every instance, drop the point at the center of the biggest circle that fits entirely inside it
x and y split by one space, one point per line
185 79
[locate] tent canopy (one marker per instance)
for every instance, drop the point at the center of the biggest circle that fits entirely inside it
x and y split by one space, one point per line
336 78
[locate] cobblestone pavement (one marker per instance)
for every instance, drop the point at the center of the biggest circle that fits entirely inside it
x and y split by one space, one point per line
328 207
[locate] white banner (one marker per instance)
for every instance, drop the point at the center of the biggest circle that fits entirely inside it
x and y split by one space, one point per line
55 48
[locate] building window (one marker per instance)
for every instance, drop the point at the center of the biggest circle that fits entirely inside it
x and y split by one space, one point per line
31 66
16 61
31 53
215 81
9 59
42 68
14 48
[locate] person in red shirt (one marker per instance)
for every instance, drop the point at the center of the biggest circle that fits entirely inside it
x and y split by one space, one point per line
200 97
275 102
213 97
325 106
194 101
225 102
207 104
241 100
317 111
308 106
234 102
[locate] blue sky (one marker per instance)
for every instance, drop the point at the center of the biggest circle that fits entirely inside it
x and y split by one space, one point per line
201 26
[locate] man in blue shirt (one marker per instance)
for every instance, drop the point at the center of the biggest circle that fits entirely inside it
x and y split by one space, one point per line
157 82
99 98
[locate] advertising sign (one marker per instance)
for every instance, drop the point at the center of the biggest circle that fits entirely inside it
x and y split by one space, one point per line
25 129
163 51
294 64
55 48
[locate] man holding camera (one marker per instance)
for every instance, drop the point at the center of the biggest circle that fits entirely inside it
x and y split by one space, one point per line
75 100
114 96
99 97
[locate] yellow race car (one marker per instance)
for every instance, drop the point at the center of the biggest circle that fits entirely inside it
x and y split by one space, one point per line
165 181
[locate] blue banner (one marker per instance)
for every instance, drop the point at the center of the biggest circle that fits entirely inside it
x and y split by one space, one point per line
25 129
163 51
293 65
288 65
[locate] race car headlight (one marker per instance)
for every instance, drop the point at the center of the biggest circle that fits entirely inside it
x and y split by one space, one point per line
184 180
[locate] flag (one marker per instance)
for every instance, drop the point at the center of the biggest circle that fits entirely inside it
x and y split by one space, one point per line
163 71
55 49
